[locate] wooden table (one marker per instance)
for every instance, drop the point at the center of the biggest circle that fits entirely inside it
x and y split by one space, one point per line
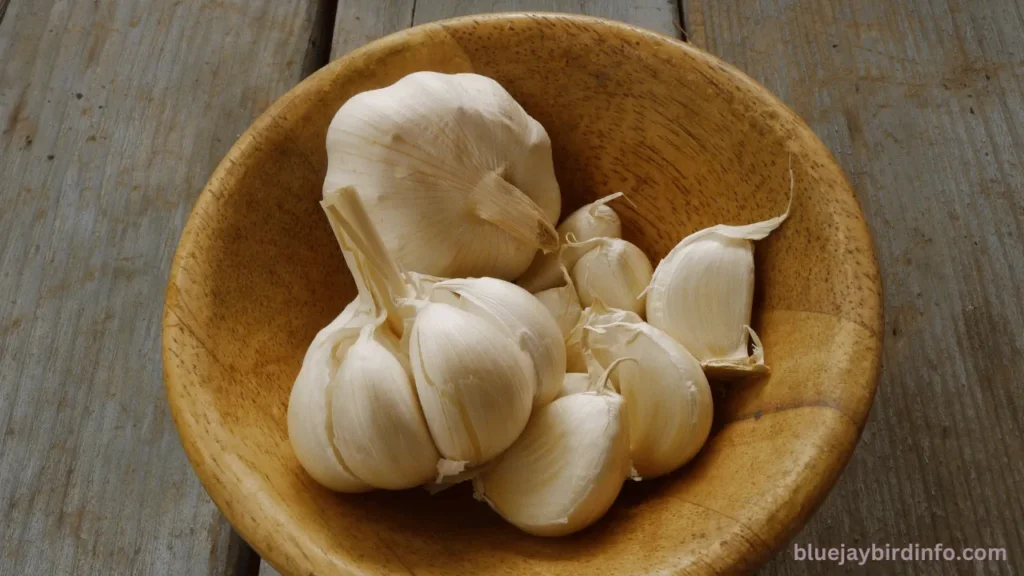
114 112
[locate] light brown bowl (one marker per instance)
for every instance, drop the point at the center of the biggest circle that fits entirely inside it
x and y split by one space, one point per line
694 143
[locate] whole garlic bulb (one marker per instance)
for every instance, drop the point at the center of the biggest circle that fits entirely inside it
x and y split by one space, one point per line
379 429
457 177
310 423
702 293
566 469
475 385
596 314
594 220
525 321
614 271
666 393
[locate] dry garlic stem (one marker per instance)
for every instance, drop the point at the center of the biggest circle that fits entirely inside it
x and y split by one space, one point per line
702 293
666 393
310 427
614 271
563 303
379 429
524 319
566 469
594 220
448 164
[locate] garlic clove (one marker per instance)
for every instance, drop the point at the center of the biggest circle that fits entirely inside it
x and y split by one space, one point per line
702 293
524 320
459 149
614 271
564 306
594 220
597 313
565 470
309 415
379 428
475 385
665 391
574 383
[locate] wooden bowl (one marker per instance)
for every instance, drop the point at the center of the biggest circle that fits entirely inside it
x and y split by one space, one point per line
694 143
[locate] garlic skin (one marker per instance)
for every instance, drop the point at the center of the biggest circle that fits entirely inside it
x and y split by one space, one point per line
460 149
525 321
614 271
665 391
310 426
476 387
702 293
594 220
565 470
564 306
574 383
597 313
379 429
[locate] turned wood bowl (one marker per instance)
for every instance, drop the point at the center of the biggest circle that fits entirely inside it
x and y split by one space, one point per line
694 143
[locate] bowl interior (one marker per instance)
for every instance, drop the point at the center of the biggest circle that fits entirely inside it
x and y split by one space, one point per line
693 143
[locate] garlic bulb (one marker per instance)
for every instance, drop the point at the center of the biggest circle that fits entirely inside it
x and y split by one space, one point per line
594 220
574 383
613 270
475 385
457 177
563 303
310 426
566 469
379 429
666 393
525 321
596 314
702 293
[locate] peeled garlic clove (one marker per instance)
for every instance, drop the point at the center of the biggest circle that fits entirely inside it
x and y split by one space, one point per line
614 271
594 220
597 313
475 385
702 293
448 164
574 383
565 470
665 390
524 320
379 428
309 415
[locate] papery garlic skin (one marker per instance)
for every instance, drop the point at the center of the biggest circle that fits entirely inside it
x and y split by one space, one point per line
702 293
575 383
564 306
475 385
565 470
615 271
525 320
448 164
379 428
310 426
665 390
594 220
597 313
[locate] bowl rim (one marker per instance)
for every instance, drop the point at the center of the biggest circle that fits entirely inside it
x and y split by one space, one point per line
203 455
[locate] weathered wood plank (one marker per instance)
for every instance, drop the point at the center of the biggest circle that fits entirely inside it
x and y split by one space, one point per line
112 116
923 104
359 22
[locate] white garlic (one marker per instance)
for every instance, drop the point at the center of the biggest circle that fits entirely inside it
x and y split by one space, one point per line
594 220
595 314
310 427
666 393
575 383
475 385
379 429
563 303
702 293
525 321
457 177
614 271
567 467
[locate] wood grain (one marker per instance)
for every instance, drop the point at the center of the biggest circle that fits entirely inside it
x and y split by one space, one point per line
923 104
359 22
112 115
